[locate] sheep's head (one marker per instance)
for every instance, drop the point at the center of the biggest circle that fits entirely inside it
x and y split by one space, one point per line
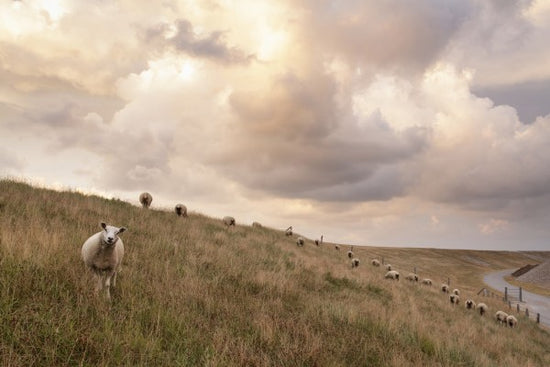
109 235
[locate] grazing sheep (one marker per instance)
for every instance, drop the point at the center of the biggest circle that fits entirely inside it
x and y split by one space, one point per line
354 262
288 231
412 277
454 298
388 267
319 241
256 225
350 254
427 281
145 199
300 241
501 316
444 288
337 247
103 253
181 210
456 291
229 221
511 321
482 308
470 304
375 262
392 274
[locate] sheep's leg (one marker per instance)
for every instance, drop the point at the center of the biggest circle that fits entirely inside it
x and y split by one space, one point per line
99 283
114 278
108 278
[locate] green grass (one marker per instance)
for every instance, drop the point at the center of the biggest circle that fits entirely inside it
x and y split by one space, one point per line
193 292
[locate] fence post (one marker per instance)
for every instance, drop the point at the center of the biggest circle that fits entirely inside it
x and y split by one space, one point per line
527 312
520 297
509 304
538 318
506 293
518 307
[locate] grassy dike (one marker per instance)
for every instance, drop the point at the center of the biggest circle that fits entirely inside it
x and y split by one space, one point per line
194 293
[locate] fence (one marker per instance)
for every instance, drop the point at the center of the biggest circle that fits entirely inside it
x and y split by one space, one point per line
514 298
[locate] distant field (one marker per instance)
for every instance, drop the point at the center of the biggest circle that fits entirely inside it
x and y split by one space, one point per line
193 292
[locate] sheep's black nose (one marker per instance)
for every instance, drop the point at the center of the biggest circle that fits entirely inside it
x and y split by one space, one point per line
110 239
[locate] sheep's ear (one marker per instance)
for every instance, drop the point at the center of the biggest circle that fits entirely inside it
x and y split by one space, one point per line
103 225
121 229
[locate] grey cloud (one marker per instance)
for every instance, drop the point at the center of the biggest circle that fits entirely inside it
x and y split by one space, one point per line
210 46
531 99
393 34
295 141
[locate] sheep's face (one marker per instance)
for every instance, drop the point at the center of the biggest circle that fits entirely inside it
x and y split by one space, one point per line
109 235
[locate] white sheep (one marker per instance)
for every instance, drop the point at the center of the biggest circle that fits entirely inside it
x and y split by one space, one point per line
388 267
454 298
181 210
229 221
350 254
145 199
337 247
256 225
444 288
103 253
288 231
456 291
392 274
300 241
482 308
511 321
354 262
501 316
427 281
375 262
412 277
470 304
319 242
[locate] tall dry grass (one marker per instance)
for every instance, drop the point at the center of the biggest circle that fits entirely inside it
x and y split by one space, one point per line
193 292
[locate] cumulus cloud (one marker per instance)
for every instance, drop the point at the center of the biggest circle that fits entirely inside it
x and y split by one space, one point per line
288 110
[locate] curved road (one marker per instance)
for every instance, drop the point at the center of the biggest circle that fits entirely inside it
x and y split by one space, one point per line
534 302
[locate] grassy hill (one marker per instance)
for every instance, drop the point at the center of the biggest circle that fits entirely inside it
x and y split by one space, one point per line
193 292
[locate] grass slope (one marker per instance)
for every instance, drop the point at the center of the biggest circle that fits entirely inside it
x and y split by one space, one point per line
195 293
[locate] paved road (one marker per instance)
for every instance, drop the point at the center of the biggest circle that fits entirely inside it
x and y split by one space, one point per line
534 302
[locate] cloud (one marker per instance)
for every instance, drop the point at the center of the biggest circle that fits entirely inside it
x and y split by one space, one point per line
181 36
9 161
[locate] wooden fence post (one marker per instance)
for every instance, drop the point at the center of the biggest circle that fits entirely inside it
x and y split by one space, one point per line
506 293
527 312
520 295
538 318
518 307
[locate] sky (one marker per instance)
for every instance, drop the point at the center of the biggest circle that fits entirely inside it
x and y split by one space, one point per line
405 123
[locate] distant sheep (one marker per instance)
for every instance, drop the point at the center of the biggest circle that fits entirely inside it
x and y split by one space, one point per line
470 304
375 262
181 210
511 321
482 308
300 241
454 298
337 247
392 274
427 281
350 254
319 242
444 288
501 316
354 262
103 253
456 291
412 277
229 221
256 225
145 199
388 267
288 231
